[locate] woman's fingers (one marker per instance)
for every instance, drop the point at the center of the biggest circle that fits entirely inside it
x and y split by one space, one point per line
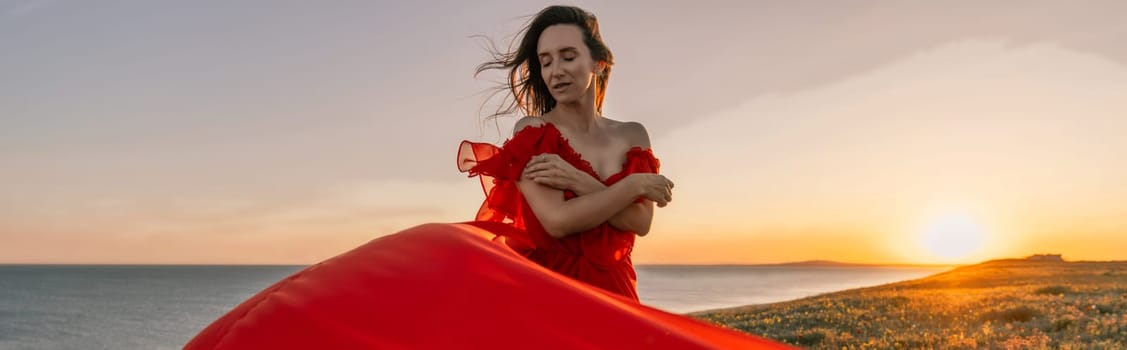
532 163
554 177
537 168
662 195
546 161
542 173
533 166
544 157
668 182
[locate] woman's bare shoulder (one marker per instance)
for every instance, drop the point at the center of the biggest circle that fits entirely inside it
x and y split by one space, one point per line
527 121
634 132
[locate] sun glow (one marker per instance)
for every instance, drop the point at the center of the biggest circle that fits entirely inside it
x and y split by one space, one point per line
953 237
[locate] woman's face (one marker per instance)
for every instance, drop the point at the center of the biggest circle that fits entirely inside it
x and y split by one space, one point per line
565 63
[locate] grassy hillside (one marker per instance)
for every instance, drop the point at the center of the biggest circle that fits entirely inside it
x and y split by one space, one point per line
1001 304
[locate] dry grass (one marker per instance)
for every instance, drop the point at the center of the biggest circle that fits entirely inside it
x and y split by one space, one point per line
1002 304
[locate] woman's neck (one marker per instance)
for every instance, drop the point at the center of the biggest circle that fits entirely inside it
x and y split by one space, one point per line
579 116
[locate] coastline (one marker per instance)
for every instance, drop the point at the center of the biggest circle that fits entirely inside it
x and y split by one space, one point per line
684 289
1011 302
747 307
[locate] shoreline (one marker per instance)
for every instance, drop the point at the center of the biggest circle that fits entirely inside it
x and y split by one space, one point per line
684 289
1018 302
770 304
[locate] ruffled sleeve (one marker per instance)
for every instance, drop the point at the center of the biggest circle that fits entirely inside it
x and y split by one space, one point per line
499 168
643 161
639 160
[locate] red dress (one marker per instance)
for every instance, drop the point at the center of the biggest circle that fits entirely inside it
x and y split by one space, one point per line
599 256
457 286
451 286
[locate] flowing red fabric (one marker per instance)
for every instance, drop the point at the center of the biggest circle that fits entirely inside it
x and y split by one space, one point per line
474 285
599 256
451 286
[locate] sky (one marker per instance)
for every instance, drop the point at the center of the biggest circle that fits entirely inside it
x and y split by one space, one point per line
287 132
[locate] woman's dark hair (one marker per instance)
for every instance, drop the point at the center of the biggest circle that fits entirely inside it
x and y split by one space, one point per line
529 91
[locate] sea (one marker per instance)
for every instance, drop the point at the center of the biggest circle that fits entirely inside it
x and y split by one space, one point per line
163 306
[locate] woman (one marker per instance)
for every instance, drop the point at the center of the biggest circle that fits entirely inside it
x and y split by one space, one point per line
576 185
569 190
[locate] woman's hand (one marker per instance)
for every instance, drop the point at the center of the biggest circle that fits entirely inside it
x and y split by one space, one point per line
550 170
654 187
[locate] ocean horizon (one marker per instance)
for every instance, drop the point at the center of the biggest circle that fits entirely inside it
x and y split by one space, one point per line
163 306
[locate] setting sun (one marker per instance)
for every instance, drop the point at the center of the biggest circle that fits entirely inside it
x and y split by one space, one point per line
953 236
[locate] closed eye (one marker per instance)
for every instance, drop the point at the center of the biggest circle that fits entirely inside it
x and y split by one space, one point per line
569 59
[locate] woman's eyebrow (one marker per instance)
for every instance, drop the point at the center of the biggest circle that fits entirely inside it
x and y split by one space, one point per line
571 49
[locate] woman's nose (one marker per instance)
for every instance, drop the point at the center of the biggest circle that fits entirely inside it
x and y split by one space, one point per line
555 71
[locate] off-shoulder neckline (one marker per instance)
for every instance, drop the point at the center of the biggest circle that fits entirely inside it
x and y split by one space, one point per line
586 165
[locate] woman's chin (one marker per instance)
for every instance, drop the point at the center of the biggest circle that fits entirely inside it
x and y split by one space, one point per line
564 99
